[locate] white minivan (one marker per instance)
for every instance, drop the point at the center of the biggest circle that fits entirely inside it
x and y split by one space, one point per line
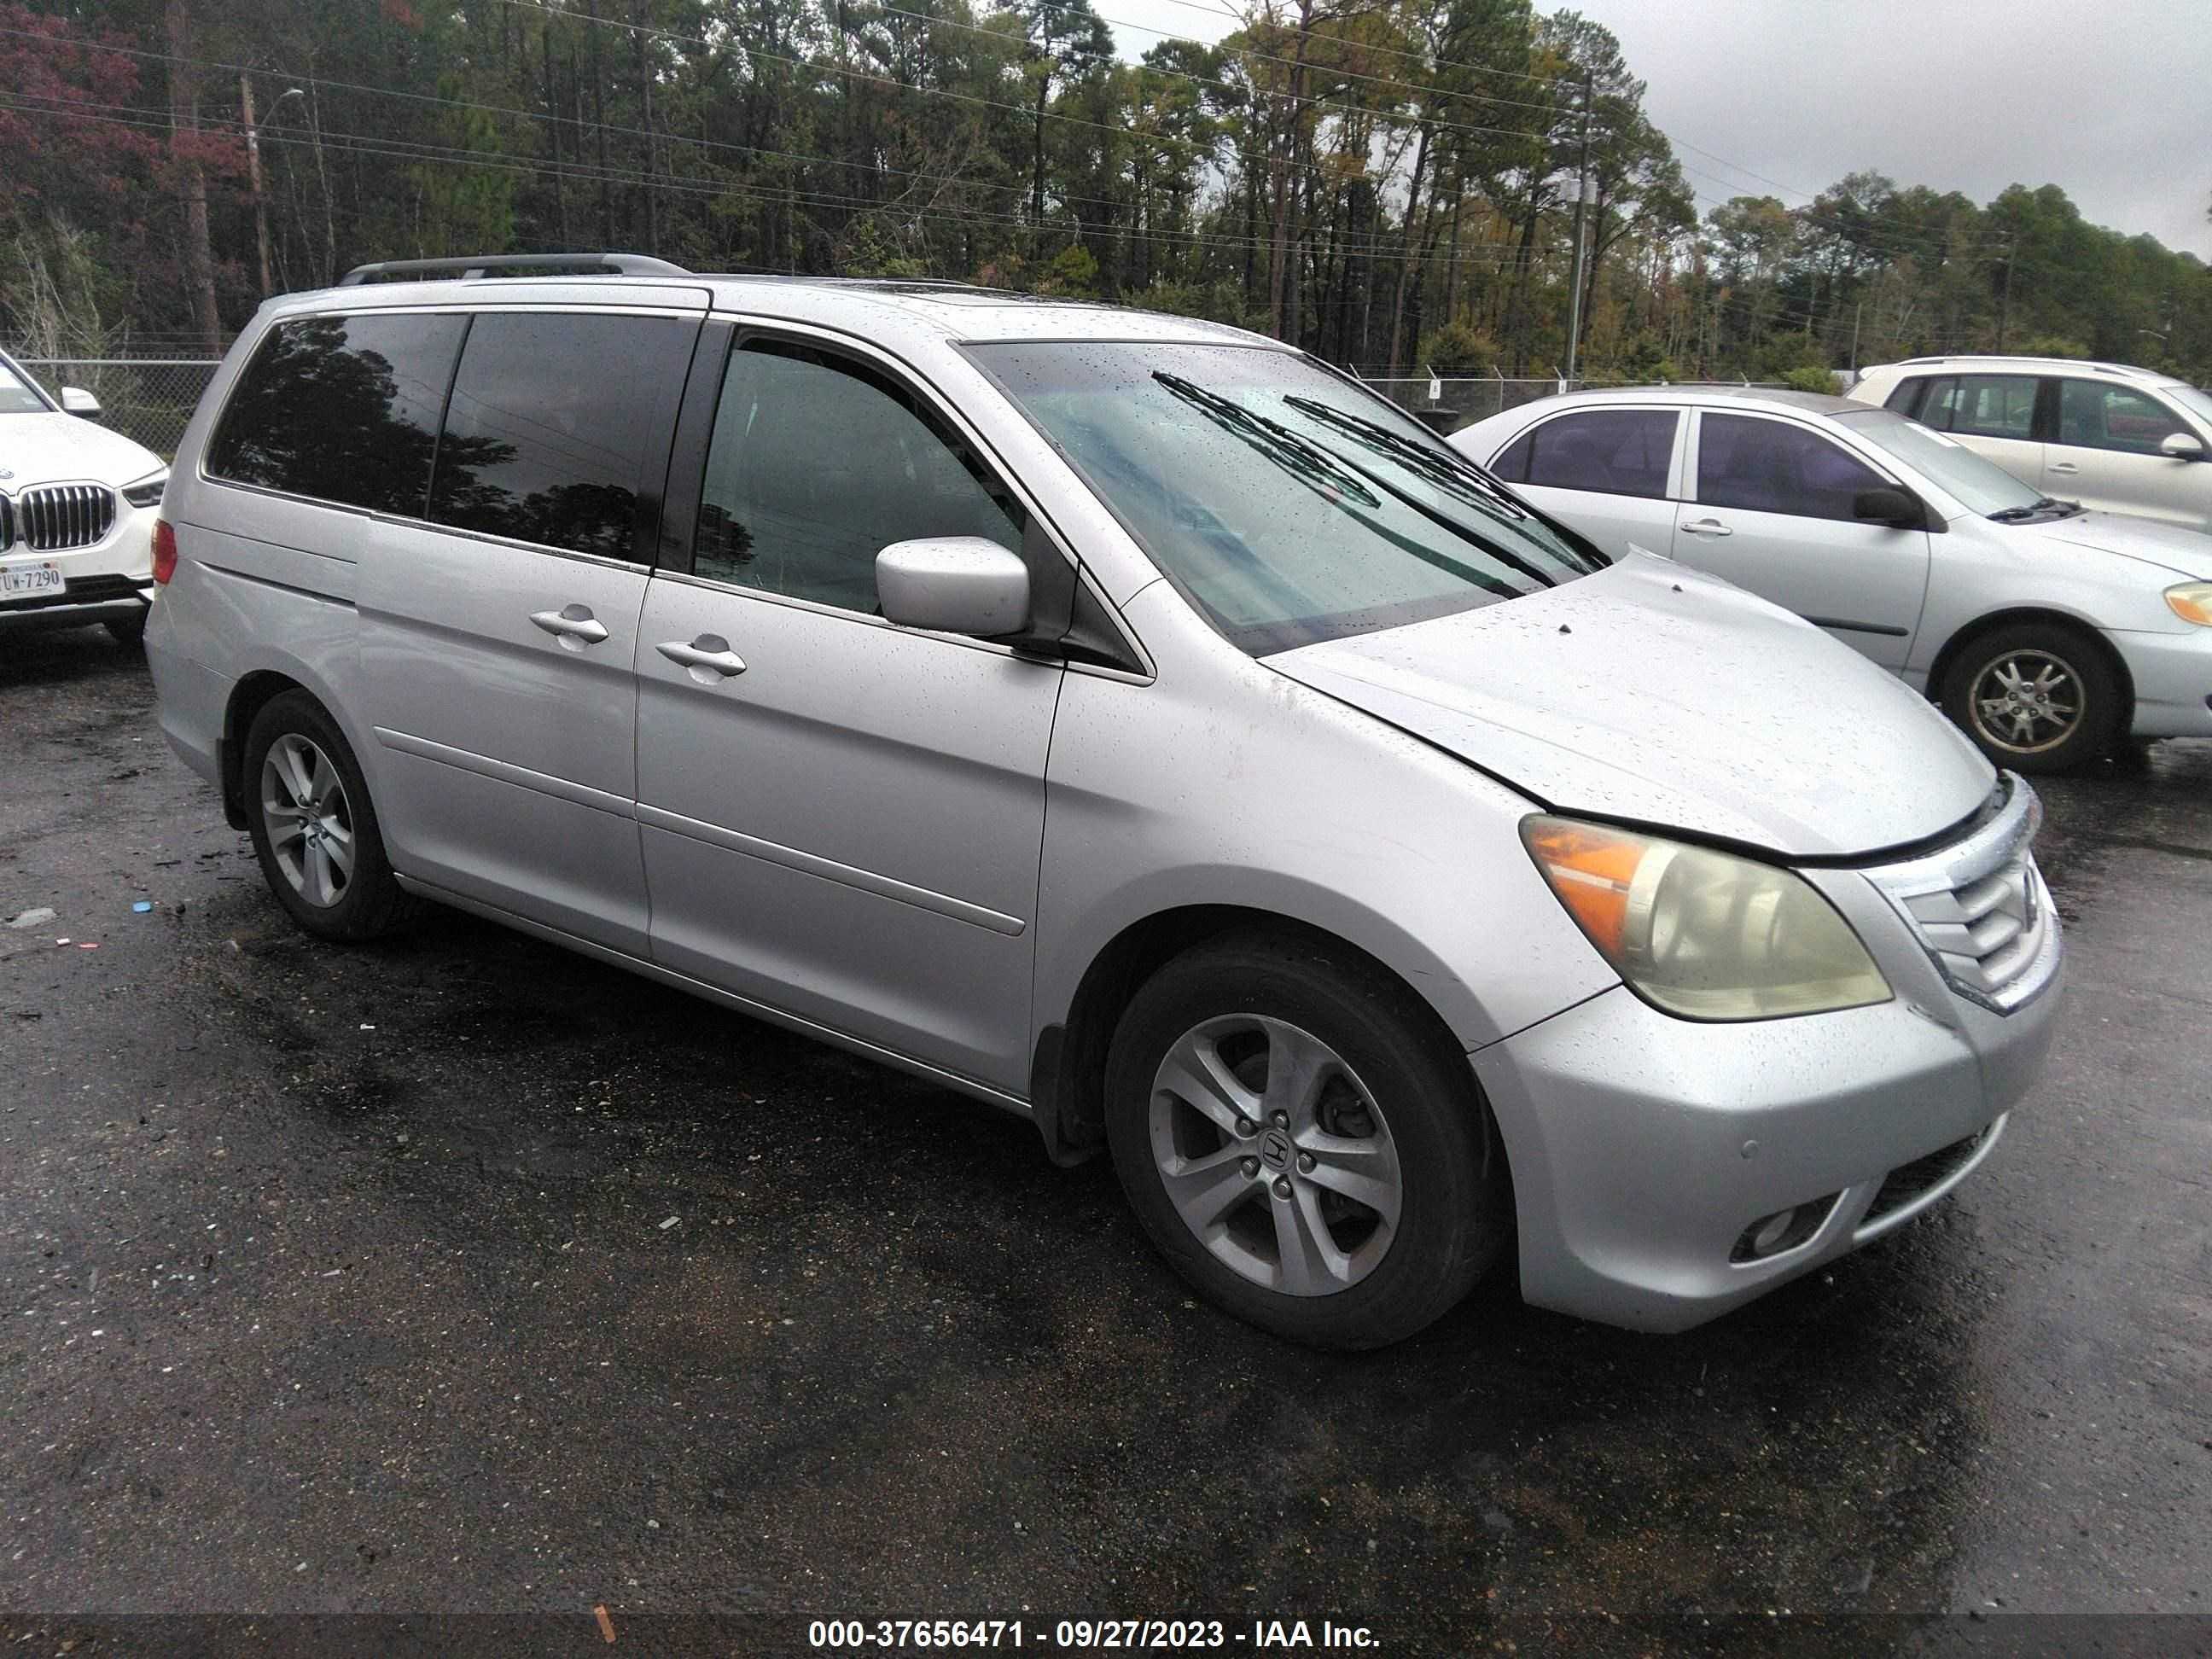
1129 721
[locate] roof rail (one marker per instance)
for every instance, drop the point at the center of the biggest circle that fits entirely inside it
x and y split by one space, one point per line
478 265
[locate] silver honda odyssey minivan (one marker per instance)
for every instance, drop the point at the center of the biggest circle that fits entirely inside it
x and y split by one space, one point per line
1131 722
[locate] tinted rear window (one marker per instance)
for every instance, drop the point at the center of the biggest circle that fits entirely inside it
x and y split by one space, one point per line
551 423
1616 452
342 409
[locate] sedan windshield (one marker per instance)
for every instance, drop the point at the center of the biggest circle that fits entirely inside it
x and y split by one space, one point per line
17 395
1982 485
1288 505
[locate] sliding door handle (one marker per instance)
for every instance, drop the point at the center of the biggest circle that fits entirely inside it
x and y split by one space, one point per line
707 658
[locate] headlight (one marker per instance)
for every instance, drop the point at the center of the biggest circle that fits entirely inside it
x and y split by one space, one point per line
2191 602
147 492
1700 933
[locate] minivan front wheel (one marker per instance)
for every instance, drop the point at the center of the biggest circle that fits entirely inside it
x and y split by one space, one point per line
1301 1146
314 829
2034 697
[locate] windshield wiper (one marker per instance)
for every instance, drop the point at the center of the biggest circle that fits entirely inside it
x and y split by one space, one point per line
1447 471
1308 462
2047 504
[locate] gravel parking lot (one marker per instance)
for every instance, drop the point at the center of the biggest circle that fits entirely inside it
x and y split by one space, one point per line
460 1275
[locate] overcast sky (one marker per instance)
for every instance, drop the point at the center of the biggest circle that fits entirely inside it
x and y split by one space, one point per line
2110 100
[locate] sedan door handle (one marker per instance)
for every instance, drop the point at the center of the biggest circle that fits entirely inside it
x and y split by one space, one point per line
571 622
1705 527
2064 466
707 658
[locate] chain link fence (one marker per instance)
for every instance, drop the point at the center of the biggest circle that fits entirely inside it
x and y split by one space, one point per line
148 400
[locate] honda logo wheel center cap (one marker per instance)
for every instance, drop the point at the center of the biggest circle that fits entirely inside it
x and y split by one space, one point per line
1275 1150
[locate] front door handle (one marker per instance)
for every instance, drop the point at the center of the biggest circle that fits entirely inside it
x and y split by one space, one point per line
2064 466
707 658
1705 527
573 625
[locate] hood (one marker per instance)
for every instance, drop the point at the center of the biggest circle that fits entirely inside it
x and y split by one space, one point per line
1652 694
2149 541
41 448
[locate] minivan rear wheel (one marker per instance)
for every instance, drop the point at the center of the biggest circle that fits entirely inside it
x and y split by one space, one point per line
314 828
2035 696
1304 1148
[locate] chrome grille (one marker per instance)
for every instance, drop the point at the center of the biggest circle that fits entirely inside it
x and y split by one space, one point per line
1980 907
7 524
57 517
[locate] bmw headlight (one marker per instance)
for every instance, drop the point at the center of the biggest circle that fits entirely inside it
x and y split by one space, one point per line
147 492
1703 934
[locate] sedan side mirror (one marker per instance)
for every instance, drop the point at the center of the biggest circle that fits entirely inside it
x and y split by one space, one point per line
76 400
954 585
2182 446
1893 508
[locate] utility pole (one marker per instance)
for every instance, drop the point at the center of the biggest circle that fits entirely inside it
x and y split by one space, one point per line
253 175
1856 309
2004 303
1581 205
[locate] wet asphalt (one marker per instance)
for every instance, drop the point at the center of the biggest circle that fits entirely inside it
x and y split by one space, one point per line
457 1274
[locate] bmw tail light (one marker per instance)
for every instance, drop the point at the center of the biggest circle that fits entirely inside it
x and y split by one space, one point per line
164 552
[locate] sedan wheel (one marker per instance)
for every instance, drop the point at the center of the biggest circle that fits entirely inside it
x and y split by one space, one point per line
1275 1155
2036 695
2027 702
303 802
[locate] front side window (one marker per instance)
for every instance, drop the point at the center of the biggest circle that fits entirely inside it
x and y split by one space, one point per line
817 463
2095 415
1288 506
1759 466
1619 452
17 395
553 420
1989 406
342 409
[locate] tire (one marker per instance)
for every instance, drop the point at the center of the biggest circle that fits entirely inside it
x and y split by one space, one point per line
326 866
2035 696
128 631
1395 1103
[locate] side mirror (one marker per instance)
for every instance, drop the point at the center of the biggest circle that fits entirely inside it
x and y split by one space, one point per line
1891 506
954 585
76 400
2182 446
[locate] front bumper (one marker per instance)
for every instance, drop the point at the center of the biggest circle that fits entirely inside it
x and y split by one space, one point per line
1644 1147
111 580
2172 674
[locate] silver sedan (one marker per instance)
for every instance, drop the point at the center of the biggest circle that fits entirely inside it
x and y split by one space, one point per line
2046 632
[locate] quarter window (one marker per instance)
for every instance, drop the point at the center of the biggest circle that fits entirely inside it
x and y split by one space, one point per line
342 409
1770 466
2098 417
553 420
817 465
1621 452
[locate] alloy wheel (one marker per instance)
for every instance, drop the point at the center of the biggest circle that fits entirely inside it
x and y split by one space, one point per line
308 818
1275 1155
2027 701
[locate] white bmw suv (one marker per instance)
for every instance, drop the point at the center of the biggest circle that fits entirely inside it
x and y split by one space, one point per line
78 506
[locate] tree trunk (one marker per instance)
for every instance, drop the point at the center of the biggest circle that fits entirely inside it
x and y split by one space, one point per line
192 182
652 192
553 125
1406 260
599 120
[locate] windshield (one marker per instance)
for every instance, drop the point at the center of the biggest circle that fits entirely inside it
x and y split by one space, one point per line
1287 505
1983 485
17 395
2197 402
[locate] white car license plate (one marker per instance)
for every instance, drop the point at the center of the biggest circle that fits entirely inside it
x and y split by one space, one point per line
23 582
